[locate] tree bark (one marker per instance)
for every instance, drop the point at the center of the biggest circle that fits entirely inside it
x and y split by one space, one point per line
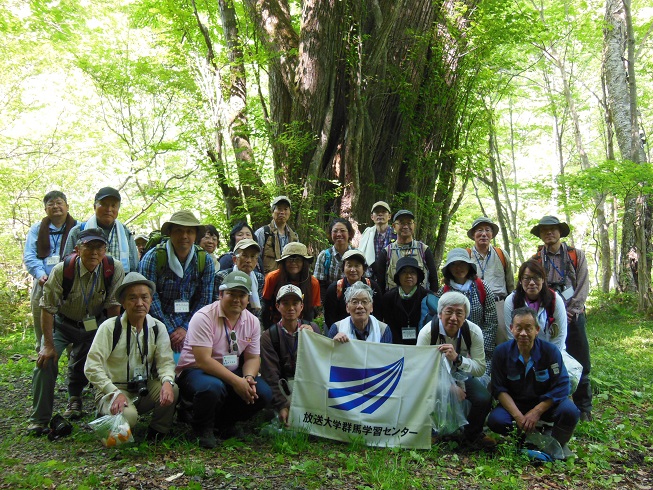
619 62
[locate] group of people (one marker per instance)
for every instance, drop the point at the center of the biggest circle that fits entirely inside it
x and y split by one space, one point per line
218 336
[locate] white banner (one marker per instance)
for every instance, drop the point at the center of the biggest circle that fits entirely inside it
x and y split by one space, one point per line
382 393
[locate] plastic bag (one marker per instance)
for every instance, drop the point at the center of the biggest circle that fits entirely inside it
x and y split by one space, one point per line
113 430
448 415
574 369
546 444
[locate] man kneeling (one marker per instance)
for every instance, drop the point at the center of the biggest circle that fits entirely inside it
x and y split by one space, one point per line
130 362
219 363
531 383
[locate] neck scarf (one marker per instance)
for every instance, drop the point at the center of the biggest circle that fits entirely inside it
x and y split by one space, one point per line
173 260
43 246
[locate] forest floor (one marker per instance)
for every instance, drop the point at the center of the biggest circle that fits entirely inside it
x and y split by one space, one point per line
613 451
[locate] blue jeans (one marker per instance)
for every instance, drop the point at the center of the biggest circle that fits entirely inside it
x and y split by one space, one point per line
564 416
215 403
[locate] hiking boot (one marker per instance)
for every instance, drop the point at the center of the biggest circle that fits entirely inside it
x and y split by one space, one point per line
567 453
205 438
229 432
481 441
154 435
74 408
37 430
586 417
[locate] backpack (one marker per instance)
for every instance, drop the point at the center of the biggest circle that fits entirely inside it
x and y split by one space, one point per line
340 286
464 330
429 309
117 331
153 239
162 257
500 254
69 272
482 293
276 343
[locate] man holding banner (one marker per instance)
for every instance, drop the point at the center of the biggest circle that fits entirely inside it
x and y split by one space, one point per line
461 342
360 324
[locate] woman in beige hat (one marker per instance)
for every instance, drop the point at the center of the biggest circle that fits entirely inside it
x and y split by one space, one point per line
294 268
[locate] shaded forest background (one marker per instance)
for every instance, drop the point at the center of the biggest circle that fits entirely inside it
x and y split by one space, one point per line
509 108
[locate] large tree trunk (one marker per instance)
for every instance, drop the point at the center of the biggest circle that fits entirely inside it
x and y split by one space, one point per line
622 99
364 110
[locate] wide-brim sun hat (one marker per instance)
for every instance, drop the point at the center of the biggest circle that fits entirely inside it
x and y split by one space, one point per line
480 221
459 255
551 221
183 218
404 262
132 279
295 248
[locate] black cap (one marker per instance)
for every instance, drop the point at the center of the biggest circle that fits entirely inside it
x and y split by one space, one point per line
107 192
90 235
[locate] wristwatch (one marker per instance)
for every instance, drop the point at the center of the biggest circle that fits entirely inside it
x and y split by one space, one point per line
172 383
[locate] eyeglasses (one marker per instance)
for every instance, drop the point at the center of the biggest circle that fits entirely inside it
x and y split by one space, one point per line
234 343
528 280
59 202
479 231
403 224
361 302
452 312
295 259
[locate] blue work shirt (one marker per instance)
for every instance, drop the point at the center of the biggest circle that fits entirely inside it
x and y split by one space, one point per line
544 378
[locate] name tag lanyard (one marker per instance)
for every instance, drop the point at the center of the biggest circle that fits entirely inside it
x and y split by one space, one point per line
484 261
87 299
548 260
142 353
408 314
292 350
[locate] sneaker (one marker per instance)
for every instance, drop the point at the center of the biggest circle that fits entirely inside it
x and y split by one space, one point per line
37 430
74 408
205 438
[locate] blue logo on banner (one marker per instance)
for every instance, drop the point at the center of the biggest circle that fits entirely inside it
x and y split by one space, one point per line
357 386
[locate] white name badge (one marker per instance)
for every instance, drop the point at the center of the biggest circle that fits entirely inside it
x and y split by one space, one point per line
408 333
567 293
52 260
90 323
230 360
182 306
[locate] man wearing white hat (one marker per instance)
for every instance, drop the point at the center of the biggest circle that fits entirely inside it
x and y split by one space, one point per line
279 347
376 238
